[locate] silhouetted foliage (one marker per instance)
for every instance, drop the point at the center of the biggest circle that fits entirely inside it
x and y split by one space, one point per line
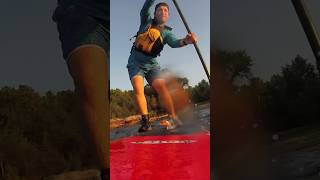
289 99
292 97
42 135
201 92
236 65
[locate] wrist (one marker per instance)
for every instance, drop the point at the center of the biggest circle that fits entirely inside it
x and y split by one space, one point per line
184 43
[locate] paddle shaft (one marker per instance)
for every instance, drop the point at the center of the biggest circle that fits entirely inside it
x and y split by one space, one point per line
195 43
309 28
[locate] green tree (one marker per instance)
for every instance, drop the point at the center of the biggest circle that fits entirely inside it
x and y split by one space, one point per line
201 92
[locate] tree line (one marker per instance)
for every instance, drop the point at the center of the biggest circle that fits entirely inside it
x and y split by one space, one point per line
289 99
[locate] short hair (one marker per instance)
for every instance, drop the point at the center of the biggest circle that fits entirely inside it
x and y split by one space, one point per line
161 4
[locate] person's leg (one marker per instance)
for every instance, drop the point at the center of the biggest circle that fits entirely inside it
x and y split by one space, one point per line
89 69
160 86
138 86
84 41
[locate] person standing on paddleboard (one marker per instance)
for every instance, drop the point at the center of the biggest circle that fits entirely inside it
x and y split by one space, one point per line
153 34
83 27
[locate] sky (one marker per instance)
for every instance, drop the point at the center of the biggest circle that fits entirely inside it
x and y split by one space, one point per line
269 30
125 21
30 52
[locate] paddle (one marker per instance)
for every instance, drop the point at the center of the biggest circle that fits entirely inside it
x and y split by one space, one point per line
195 43
309 28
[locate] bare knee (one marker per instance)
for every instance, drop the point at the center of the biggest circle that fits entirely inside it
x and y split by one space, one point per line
159 85
139 92
138 85
90 79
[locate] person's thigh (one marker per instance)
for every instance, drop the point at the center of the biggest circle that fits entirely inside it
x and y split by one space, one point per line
154 75
137 82
88 67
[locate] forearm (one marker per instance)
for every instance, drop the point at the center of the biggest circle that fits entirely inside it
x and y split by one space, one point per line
182 42
178 43
174 42
189 39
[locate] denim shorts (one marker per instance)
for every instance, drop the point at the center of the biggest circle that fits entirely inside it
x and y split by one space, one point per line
146 70
78 29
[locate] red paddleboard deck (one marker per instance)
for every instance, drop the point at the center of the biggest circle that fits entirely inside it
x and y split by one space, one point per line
167 157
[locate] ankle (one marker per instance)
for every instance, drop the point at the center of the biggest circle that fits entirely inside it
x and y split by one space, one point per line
145 116
145 119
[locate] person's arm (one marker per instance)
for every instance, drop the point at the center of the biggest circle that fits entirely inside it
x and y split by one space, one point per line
174 42
145 13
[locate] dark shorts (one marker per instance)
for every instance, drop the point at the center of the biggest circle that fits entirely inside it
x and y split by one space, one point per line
142 65
150 73
78 29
